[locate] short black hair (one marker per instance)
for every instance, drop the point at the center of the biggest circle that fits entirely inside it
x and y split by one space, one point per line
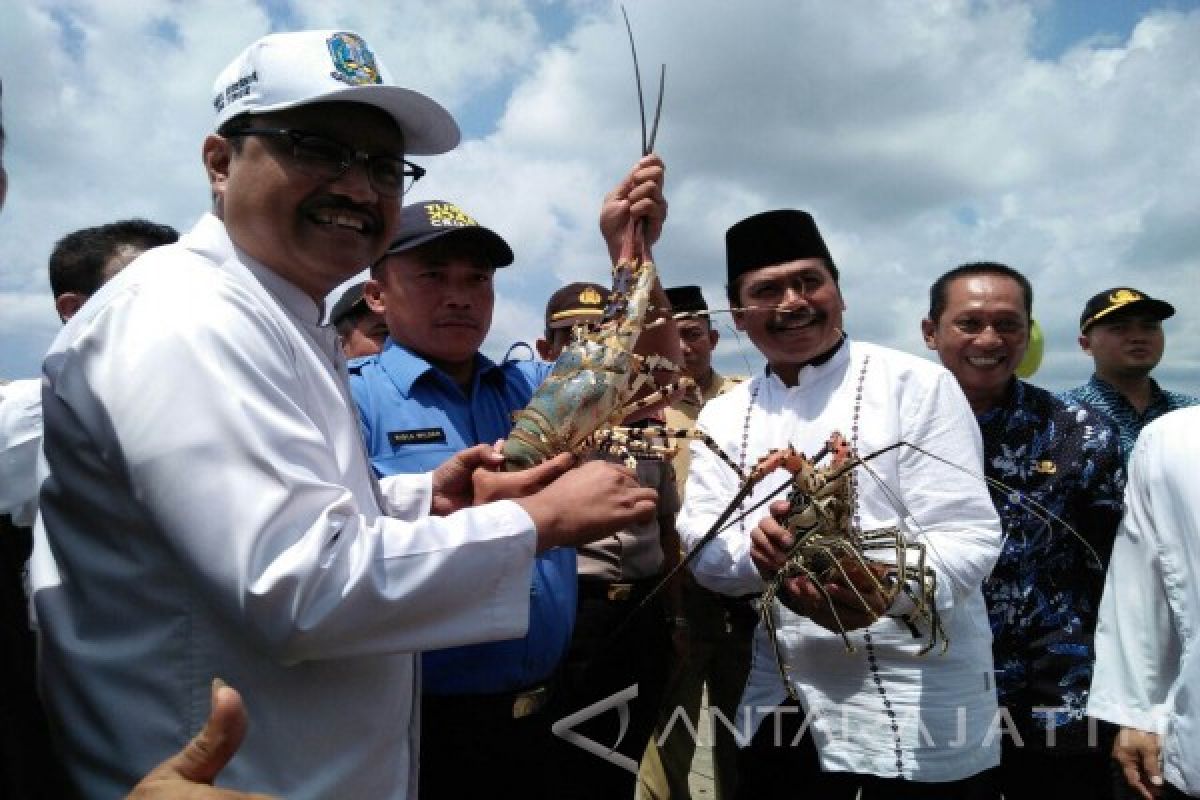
937 292
78 261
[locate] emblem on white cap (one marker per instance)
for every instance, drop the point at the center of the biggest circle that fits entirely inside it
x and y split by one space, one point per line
353 61
286 70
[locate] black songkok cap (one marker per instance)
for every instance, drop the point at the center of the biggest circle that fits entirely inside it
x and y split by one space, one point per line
771 238
686 299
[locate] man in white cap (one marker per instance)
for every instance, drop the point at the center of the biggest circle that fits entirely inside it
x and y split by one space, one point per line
208 509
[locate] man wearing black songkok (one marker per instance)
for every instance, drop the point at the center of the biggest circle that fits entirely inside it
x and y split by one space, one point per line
882 719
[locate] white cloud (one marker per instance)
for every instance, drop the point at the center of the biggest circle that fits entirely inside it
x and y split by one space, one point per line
921 135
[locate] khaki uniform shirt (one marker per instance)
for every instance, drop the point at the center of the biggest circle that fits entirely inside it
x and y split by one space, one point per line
682 415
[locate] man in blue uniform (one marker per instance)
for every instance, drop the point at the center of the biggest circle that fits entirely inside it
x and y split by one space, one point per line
1059 504
427 395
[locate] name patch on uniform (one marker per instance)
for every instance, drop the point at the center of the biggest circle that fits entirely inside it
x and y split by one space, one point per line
418 436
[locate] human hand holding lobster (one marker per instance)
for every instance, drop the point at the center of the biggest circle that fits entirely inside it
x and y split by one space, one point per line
856 591
453 481
631 220
639 196
491 484
588 503
471 477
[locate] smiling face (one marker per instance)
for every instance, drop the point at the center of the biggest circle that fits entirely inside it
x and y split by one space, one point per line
791 312
981 335
1126 346
314 233
437 300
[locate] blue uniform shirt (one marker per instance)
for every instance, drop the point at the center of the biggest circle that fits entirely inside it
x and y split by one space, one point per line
413 418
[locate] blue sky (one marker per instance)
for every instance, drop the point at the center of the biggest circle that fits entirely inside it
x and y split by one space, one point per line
1060 25
1055 136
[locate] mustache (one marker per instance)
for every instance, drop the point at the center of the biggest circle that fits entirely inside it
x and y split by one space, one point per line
335 202
802 316
457 319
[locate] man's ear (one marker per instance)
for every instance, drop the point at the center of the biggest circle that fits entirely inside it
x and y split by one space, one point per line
928 331
713 336
68 303
217 153
543 350
373 296
739 319
1085 343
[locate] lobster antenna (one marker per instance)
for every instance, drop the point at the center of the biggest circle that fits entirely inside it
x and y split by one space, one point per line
1039 511
647 140
899 505
662 78
637 75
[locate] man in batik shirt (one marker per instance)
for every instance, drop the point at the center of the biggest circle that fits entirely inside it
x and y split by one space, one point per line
1121 329
1060 504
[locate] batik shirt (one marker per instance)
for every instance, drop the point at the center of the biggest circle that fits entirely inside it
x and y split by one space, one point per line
1105 398
1061 466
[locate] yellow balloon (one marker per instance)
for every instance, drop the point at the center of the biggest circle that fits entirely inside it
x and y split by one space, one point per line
1033 353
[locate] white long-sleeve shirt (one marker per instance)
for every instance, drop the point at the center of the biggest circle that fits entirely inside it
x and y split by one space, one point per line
20 439
1147 641
943 706
209 511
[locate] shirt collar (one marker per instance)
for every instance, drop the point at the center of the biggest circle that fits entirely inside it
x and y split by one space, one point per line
1014 398
1113 395
210 238
405 368
825 364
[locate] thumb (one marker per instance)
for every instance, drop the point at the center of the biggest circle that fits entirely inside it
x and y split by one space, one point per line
480 455
212 748
548 471
1150 767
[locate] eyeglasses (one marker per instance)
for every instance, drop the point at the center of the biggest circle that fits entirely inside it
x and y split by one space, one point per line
328 160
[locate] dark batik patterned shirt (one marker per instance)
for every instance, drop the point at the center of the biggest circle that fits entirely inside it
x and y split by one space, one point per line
1060 463
1105 398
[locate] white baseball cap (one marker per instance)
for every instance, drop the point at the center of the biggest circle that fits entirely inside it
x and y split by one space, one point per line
286 70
